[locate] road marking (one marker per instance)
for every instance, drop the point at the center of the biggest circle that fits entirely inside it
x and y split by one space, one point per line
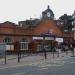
22 73
72 62
45 68
41 64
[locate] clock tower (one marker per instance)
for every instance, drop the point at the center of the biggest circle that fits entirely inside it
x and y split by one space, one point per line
48 14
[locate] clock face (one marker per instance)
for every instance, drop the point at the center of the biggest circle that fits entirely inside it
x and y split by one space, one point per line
48 14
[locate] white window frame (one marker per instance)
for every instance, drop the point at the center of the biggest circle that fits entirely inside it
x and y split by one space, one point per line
24 44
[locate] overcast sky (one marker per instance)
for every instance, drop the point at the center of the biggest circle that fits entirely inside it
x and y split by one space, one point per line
19 10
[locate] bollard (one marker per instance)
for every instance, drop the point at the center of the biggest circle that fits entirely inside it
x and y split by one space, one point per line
5 57
45 54
58 54
18 56
73 52
53 54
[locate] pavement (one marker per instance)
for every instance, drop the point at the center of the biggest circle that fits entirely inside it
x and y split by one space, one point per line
36 64
35 60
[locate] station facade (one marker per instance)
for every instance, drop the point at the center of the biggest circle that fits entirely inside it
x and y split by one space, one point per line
31 33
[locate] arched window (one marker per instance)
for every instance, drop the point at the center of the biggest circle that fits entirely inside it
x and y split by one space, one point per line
7 40
24 44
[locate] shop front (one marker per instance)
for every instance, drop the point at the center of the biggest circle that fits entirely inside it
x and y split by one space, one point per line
47 41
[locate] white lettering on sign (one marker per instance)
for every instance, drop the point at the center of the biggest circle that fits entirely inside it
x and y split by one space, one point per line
49 38
37 38
59 39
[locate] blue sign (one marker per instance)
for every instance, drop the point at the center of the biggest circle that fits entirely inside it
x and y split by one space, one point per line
2 48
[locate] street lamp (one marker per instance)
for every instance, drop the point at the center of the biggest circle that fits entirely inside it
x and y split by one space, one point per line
74 33
73 29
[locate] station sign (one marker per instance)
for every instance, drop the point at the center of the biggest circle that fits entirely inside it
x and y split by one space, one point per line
41 38
37 38
49 38
59 39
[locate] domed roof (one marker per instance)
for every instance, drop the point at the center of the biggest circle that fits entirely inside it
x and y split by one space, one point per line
48 10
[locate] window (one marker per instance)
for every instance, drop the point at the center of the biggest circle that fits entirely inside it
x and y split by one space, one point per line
39 47
24 44
7 40
21 24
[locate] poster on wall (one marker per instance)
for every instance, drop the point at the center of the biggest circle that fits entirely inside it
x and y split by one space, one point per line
9 47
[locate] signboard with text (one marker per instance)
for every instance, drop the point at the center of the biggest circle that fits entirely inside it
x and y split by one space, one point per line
37 38
49 38
59 39
41 38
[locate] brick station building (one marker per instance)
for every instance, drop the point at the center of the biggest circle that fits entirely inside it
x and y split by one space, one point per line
30 33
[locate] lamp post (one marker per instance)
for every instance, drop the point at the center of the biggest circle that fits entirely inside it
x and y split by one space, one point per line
73 29
43 45
74 33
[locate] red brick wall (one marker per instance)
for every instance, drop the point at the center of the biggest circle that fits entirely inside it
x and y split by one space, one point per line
44 26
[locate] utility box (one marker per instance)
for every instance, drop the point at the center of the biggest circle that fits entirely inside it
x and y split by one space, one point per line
2 49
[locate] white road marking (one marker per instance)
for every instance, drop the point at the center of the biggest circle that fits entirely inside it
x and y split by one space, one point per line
41 64
22 73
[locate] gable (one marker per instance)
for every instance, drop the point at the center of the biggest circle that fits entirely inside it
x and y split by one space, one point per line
47 25
8 24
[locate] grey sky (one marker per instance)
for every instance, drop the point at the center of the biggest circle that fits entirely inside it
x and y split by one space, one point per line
18 10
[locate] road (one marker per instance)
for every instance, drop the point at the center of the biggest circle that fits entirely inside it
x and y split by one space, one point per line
63 67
